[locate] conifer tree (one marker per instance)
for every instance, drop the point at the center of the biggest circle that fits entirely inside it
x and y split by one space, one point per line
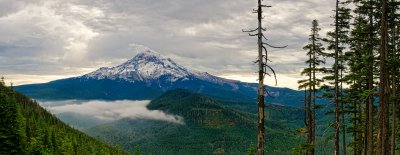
137 150
337 41
365 45
358 83
393 63
316 59
251 150
2 81
384 92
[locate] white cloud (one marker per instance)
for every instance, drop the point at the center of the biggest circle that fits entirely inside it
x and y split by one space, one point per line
110 110
60 37
284 80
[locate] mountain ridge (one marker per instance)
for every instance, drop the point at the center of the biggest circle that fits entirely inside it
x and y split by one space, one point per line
147 76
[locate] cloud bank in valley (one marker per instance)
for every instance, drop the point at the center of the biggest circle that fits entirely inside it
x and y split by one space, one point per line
108 111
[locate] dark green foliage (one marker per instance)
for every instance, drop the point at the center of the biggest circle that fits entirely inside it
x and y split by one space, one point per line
11 131
137 151
27 128
209 128
252 150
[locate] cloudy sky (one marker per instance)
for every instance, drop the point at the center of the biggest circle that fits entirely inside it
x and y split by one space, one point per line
43 40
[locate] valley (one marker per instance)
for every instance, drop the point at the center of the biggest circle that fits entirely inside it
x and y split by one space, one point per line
208 114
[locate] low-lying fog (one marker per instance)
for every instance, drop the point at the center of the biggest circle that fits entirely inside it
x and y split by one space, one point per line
87 114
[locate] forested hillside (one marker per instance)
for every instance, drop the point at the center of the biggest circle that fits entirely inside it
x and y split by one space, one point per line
209 127
27 128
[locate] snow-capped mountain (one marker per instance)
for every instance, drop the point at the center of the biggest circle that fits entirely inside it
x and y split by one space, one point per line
149 66
147 76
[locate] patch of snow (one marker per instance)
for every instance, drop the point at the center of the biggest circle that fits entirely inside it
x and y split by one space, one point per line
148 66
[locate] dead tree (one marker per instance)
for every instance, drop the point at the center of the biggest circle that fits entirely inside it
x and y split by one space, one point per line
262 71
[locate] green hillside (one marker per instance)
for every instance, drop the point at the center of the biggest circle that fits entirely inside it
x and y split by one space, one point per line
209 128
27 128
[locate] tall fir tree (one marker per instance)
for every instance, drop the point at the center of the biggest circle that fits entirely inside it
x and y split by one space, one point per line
384 90
337 41
316 59
393 63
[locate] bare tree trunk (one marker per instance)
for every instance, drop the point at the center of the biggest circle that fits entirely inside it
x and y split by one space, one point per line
313 96
342 107
355 134
394 90
360 136
393 138
305 107
309 111
370 85
262 66
261 136
336 100
383 131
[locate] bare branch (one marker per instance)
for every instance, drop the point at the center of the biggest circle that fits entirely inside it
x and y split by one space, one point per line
266 6
249 30
264 37
264 49
252 35
267 92
274 46
273 71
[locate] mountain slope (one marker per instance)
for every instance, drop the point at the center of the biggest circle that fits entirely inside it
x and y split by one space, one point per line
27 128
209 128
147 76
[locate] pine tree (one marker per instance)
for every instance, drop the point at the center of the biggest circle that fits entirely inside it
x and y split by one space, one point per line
2 81
393 63
251 150
364 46
338 41
357 82
316 59
384 92
137 150
359 77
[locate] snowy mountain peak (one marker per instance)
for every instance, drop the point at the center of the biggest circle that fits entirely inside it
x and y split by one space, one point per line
149 52
149 66
146 56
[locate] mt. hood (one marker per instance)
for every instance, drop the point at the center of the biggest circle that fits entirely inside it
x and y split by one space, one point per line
149 66
147 76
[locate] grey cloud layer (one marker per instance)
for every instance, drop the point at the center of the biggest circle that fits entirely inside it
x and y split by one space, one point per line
69 36
110 110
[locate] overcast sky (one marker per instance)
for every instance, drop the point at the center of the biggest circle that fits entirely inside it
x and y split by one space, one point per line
43 40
